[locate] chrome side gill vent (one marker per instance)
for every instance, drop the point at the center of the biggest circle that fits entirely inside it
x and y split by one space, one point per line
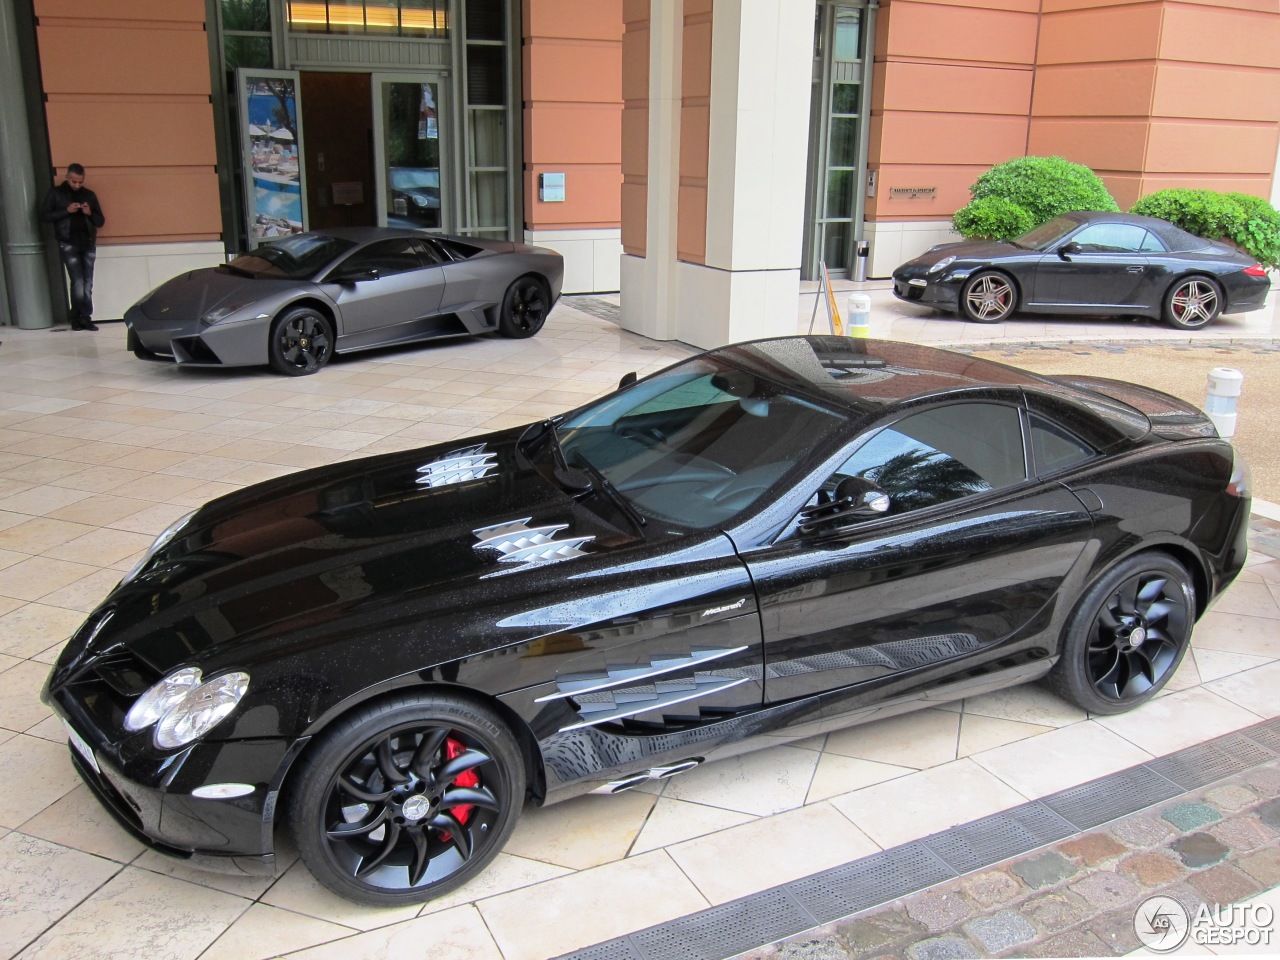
517 542
611 705
458 466
577 684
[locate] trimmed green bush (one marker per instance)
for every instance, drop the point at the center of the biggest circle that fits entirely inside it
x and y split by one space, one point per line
1042 187
1249 222
993 218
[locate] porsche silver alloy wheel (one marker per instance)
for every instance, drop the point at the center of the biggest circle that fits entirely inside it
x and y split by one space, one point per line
1193 303
407 800
301 342
524 308
1127 635
988 298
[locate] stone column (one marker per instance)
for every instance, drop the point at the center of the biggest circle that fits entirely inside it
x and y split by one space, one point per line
722 121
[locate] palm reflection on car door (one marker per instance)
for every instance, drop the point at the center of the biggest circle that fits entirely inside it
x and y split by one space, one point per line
969 558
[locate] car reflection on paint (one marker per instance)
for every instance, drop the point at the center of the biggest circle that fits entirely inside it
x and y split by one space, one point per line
390 657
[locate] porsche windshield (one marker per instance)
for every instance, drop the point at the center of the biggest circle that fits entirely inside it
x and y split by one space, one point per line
291 258
699 443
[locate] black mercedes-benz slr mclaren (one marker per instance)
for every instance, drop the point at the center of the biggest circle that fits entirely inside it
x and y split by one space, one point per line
390 657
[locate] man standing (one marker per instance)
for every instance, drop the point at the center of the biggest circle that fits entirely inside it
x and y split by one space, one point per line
76 215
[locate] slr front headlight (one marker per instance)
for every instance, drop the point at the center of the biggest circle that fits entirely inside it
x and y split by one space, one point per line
183 709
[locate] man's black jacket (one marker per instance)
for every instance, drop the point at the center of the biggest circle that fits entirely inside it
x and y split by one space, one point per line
54 210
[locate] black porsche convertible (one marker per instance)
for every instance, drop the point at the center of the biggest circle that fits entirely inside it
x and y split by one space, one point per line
390 657
1090 264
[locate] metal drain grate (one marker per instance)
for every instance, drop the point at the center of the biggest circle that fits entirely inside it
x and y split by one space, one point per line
725 930
873 880
998 837
1215 760
1267 734
1110 797
596 307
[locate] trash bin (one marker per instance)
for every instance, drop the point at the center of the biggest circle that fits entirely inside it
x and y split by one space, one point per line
859 315
1223 394
860 261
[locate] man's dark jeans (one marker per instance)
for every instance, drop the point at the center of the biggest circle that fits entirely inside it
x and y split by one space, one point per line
79 264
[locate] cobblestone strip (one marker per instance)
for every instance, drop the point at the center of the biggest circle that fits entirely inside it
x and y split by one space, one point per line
1077 898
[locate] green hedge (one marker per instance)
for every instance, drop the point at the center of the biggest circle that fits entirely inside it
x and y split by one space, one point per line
1039 187
1249 222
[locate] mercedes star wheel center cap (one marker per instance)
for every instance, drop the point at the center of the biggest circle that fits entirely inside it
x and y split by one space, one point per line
1138 637
416 807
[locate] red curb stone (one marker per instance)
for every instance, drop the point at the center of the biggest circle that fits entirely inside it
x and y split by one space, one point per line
1243 833
938 910
1093 848
1106 890
1263 866
1266 780
1231 798
1115 929
1225 884
992 888
1073 943
1055 911
1144 831
1153 869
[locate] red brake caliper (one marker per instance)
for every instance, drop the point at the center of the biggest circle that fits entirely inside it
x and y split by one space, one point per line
452 750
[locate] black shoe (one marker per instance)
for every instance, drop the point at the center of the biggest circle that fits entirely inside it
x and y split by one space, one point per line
87 324
75 324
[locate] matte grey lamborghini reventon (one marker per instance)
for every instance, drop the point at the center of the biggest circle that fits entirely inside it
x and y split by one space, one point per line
294 302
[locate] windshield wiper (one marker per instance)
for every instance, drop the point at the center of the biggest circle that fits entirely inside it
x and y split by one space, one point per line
602 484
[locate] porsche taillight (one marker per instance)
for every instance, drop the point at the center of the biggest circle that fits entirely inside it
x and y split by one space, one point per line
1257 270
1239 485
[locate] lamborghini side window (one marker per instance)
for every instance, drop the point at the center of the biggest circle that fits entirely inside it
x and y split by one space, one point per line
941 455
388 257
1054 449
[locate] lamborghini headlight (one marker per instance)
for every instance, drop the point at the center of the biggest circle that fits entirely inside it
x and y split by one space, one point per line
221 313
157 545
184 709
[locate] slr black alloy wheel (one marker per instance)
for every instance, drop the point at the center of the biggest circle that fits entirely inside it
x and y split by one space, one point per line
988 297
407 800
1127 636
524 308
301 342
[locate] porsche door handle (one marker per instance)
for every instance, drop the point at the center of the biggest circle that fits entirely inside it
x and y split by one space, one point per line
1136 270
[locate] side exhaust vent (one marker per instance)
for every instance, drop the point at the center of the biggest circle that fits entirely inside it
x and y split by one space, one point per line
665 772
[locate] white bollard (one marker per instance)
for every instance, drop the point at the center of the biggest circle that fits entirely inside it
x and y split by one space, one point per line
859 315
1220 404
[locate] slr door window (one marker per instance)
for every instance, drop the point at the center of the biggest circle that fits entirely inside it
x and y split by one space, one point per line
941 455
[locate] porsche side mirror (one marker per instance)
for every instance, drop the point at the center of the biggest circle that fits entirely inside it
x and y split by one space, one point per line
627 379
1069 250
856 498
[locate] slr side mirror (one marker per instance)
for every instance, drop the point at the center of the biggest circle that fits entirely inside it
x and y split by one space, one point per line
856 498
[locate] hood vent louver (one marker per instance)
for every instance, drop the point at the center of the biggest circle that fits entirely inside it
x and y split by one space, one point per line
517 542
458 466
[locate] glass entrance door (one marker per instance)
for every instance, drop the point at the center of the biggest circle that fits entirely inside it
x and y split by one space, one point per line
411 151
838 138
